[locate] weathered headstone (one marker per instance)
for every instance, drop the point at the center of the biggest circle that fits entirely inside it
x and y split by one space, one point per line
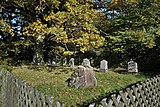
132 66
103 66
53 62
86 63
90 80
80 80
71 62
71 80
85 78
64 61
91 61
49 62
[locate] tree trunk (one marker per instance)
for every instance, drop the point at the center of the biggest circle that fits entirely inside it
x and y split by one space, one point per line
38 57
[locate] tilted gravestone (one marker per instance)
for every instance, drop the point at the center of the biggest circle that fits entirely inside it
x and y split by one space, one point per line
71 62
132 66
103 66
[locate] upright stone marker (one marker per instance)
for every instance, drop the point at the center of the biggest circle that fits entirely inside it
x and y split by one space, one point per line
91 61
49 62
71 62
85 77
132 66
103 66
64 61
86 63
53 62
90 80
80 80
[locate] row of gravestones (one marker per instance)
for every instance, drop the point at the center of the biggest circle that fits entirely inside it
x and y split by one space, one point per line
64 62
84 77
132 66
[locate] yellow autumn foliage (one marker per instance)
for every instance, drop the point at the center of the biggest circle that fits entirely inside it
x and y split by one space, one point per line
5 27
75 25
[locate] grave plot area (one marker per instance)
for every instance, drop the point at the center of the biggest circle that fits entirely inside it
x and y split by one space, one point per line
53 83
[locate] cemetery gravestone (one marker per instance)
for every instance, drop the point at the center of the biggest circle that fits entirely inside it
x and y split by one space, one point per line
90 80
49 62
86 63
85 77
71 62
103 66
92 61
71 81
64 61
132 66
80 80
53 62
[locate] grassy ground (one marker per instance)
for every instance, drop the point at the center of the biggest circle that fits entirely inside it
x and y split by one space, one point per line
53 83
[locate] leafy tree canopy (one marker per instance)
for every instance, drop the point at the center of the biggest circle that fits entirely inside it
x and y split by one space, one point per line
69 24
67 27
59 26
133 26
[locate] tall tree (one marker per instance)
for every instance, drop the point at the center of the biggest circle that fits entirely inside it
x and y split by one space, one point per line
13 43
68 24
71 27
134 29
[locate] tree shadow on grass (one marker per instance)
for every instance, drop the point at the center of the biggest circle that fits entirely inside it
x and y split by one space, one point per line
97 100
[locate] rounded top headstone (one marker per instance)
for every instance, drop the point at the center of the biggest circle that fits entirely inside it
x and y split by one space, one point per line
86 63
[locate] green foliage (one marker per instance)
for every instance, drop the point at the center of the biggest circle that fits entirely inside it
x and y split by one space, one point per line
58 27
132 28
131 39
5 27
5 65
71 27
71 24
158 32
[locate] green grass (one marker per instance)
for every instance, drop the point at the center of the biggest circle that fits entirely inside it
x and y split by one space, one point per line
53 83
